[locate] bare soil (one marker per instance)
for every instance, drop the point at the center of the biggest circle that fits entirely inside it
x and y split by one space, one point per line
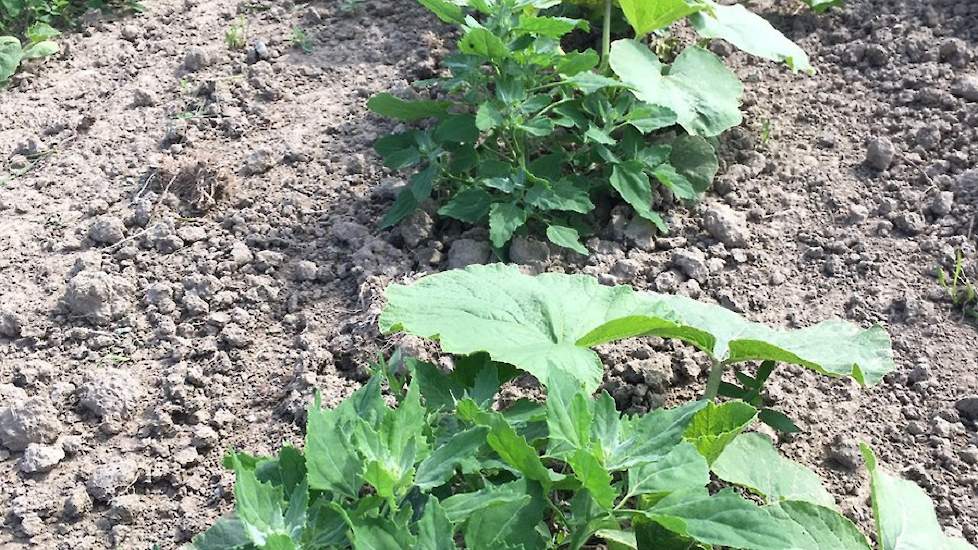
188 248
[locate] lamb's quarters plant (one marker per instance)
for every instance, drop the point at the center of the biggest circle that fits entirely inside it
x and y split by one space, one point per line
27 27
547 325
528 136
444 469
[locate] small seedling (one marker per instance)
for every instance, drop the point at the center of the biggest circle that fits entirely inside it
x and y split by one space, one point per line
766 128
960 289
300 39
237 34
350 6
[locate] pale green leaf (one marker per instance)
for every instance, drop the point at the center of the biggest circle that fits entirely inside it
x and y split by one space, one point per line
447 11
10 56
905 518
816 527
435 531
682 468
546 325
751 33
751 461
388 105
700 110
645 16
593 476
723 519
41 49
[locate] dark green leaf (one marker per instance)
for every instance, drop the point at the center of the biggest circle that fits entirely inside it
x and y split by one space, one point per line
331 460
258 505
694 158
723 519
225 534
648 118
593 476
508 524
598 135
778 420
469 205
440 465
504 219
573 63
457 129
633 185
566 237
560 195
462 506
539 127
480 41
408 200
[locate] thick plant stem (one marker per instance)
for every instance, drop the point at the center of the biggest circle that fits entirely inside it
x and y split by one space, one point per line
606 36
713 382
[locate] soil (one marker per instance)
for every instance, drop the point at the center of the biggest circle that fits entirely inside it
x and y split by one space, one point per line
188 248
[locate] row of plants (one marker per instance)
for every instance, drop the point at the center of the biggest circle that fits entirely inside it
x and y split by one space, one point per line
28 27
530 130
422 458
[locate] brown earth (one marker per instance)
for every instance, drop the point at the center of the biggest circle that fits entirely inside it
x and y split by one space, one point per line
187 249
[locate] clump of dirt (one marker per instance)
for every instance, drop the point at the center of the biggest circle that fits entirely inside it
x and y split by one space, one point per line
199 181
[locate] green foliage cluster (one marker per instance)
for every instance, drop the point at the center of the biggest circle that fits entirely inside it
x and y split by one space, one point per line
438 465
530 135
27 27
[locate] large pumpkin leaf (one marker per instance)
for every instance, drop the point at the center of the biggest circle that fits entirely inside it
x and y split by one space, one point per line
546 324
834 347
905 517
751 33
700 110
751 461
530 322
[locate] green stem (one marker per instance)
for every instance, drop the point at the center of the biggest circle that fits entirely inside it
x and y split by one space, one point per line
606 36
713 382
